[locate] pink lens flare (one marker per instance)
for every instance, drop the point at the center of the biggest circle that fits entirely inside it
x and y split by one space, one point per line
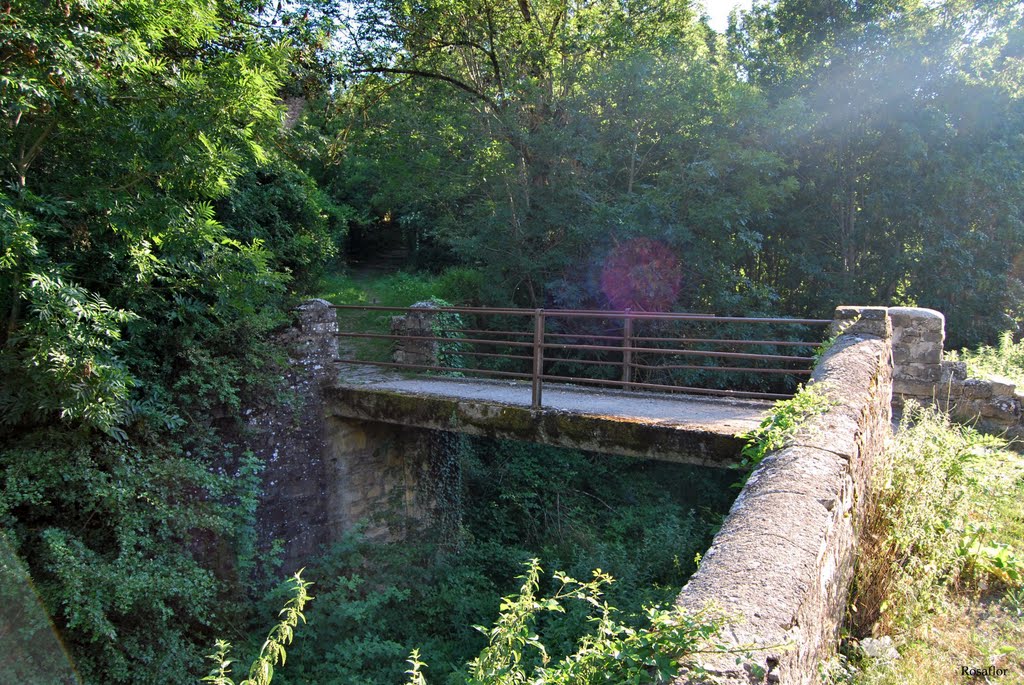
642 274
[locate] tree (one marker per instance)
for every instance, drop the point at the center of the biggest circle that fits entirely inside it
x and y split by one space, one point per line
543 135
130 316
906 113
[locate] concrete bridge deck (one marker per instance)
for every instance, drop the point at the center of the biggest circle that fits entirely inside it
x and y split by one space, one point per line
682 428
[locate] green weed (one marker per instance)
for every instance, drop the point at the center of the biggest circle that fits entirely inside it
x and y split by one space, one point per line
938 569
782 422
1005 359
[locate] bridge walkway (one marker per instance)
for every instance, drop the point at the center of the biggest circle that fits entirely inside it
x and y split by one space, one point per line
672 427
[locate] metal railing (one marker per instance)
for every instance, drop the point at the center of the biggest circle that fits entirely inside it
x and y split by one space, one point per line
533 344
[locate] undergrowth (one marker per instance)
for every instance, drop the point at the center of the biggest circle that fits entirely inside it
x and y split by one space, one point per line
940 563
641 522
1005 359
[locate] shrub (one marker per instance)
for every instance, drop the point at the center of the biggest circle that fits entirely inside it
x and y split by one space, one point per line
461 285
1005 359
914 540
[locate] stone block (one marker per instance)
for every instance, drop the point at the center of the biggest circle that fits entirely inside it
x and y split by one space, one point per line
976 388
851 320
929 373
913 388
1004 410
917 318
954 371
1002 386
926 353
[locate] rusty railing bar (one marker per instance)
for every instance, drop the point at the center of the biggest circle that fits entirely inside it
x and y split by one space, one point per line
477 330
717 341
627 351
494 354
738 369
537 380
530 333
582 361
565 346
781 343
694 353
426 367
688 317
388 336
589 313
675 388
426 310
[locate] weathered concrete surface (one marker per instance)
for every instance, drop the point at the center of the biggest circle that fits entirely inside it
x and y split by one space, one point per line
375 473
783 562
686 429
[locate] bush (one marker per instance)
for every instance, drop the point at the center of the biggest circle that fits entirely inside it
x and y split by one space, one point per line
918 538
1005 359
461 286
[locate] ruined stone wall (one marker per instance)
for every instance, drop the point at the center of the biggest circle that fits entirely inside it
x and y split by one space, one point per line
992 404
322 474
782 564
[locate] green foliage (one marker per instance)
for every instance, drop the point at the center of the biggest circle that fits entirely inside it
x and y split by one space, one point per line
272 653
280 206
461 286
102 525
614 651
782 422
67 354
902 121
885 130
927 530
448 325
939 570
128 311
637 520
1006 359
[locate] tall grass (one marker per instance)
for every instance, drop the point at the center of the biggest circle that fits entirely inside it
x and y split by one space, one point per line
1005 359
940 568
926 499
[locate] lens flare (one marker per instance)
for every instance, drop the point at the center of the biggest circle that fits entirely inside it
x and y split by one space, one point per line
642 274
31 647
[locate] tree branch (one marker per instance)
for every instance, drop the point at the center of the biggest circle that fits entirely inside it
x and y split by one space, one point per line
461 85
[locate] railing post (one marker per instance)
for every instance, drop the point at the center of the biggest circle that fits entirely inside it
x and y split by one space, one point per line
627 352
538 356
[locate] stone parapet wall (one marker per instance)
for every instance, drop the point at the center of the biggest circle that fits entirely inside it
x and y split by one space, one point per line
782 565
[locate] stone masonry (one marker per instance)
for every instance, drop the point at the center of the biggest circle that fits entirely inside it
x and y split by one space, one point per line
324 475
419 322
780 568
992 404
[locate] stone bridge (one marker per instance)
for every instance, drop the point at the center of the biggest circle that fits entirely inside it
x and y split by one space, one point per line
781 564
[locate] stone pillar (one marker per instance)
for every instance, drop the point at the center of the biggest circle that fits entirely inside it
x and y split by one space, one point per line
917 340
418 323
318 323
288 436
